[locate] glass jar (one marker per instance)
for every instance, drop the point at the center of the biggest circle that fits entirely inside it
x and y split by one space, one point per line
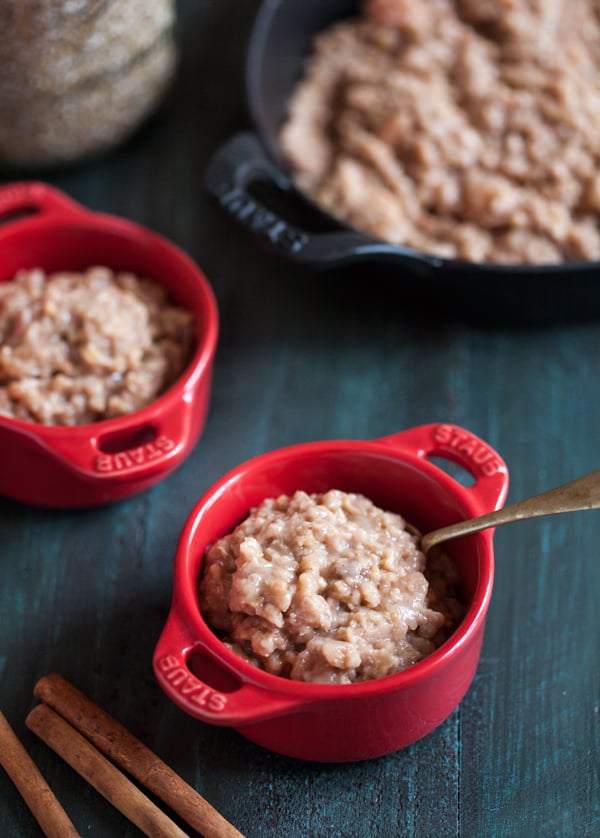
78 76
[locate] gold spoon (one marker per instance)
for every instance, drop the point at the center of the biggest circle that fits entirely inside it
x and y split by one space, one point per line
583 493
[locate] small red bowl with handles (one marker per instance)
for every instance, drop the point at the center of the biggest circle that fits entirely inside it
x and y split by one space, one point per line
85 465
330 722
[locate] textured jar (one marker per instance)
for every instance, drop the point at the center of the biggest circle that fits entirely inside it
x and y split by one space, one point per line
79 75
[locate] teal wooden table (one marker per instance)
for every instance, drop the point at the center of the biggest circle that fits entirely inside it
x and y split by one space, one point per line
305 357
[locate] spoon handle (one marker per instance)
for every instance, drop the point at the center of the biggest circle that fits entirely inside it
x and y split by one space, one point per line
583 493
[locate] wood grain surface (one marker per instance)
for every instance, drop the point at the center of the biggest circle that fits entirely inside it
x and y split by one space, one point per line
301 357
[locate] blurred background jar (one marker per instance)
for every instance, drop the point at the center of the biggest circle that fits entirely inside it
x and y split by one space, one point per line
79 76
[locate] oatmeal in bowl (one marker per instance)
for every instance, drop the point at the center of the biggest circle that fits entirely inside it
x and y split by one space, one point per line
366 166
304 616
465 129
107 338
328 588
79 347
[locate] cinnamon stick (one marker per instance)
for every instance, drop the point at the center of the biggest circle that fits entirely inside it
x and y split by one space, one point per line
114 740
101 774
34 789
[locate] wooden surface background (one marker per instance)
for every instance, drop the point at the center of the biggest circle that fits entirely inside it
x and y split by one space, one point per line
304 357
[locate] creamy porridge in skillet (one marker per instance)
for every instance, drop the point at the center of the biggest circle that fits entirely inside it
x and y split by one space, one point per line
328 589
462 128
81 347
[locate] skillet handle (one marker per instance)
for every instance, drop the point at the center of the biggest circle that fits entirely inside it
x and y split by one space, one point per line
242 163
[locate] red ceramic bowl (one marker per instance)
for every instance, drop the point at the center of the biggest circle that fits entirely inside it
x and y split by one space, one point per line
323 722
109 460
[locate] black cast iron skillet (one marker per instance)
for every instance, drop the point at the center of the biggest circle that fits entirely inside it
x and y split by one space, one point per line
248 179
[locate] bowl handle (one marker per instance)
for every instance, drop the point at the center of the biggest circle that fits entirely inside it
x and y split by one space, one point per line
242 163
453 443
26 198
136 451
240 702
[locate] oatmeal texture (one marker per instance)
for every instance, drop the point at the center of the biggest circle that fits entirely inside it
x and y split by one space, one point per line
462 128
81 347
328 589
